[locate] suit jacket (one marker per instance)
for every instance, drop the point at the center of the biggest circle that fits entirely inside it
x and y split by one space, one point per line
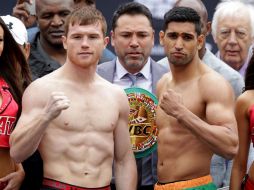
107 70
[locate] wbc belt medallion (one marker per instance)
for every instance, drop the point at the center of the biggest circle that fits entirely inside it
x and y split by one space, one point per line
142 128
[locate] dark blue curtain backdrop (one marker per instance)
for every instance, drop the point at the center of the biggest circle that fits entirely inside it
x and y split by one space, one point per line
156 6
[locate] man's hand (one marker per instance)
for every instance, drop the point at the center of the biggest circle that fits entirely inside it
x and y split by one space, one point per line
20 11
14 180
55 105
171 103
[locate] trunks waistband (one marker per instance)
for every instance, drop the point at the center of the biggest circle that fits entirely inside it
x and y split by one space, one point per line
57 185
186 184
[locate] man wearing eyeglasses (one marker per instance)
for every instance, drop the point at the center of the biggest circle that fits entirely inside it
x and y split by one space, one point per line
233 32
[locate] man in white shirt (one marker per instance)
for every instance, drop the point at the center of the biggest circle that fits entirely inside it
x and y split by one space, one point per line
132 37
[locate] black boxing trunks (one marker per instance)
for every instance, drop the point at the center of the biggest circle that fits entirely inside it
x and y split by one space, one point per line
50 184
3 185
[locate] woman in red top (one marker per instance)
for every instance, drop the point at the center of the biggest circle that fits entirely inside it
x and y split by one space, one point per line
240 178
14 78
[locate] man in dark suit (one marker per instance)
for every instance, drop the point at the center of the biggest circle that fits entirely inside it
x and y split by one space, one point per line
132 37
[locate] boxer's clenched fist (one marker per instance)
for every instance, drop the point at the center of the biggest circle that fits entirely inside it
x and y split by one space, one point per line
171 102
56 103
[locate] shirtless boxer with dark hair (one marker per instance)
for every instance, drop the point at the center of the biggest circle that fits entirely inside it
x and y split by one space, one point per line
195 117
66 117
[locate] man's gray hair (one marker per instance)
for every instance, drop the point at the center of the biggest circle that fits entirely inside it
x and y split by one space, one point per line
232 8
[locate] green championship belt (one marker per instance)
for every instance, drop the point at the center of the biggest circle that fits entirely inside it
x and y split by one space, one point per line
142 128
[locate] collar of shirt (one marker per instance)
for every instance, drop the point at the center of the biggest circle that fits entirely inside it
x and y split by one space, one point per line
121 71
144 82
242 70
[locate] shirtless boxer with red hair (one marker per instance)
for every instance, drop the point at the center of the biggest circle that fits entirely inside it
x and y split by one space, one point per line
76 119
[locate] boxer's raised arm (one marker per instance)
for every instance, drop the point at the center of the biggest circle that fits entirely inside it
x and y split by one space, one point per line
39 108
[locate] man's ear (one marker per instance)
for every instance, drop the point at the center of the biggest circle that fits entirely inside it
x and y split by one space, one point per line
161 36
106 41
201 39
208 28
153 36
64 39
112 39
214 37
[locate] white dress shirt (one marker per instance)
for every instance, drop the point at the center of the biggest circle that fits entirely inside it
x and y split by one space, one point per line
144 82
